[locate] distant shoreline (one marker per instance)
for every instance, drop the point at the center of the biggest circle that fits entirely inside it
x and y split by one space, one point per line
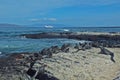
92 36
19 25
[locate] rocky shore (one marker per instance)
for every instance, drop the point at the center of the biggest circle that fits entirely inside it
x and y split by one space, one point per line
98 59
68 62
91 36
104 39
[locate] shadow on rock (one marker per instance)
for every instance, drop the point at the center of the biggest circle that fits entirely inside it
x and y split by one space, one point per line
40 74
45 77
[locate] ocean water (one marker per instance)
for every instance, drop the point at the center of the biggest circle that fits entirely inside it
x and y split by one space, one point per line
11 42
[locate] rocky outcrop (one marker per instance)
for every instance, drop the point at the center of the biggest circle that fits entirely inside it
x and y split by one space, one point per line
84 65
32 66
24 66
46 35
73 35
106 40
38 71
107 43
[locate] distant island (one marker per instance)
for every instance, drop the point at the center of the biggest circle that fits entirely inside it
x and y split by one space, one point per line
9 25
54 25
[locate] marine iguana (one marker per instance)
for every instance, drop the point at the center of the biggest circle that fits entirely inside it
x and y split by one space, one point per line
107 52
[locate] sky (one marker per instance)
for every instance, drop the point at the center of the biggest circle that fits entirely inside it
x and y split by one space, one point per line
69 12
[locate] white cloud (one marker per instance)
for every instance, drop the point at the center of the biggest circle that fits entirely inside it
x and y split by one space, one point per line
42 19
48 19
34 20
51 19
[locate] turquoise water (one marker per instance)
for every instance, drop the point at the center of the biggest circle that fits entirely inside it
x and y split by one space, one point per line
11 42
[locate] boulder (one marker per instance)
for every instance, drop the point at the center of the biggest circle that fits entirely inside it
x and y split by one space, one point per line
31 72
37 71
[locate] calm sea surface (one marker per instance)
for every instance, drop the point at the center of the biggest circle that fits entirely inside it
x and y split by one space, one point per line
10 41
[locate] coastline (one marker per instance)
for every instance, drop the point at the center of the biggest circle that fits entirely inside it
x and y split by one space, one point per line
103 39
73 35
69 60
88 36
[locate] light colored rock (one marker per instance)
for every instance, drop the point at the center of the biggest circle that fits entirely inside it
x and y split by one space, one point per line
84 65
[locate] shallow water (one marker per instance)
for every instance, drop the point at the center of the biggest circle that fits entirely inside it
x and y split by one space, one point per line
10 41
